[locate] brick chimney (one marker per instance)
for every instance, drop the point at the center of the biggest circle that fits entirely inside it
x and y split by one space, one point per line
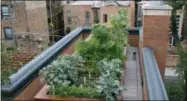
155 28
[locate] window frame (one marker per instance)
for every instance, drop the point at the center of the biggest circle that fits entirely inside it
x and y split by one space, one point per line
69 16
2 12
5 33
105 18
87 17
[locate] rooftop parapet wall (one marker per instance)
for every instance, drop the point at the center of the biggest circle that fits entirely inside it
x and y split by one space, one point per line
154 83
25 77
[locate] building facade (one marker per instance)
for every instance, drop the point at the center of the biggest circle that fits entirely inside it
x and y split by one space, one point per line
86 13
23 20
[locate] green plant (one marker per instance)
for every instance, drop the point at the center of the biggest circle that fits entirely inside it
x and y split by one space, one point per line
74 91
8 71
174 90
106 42
109 82
182 66
99 74
64 70
113 68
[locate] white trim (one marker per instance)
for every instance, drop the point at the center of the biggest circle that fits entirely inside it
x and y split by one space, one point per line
156 12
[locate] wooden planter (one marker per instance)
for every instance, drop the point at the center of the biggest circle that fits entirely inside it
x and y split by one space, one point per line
42 95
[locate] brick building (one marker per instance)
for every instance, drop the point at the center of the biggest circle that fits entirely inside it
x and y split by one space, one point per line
85 13
27 18
179 22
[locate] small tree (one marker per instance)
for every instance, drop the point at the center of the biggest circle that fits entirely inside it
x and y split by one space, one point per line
182 67
176 4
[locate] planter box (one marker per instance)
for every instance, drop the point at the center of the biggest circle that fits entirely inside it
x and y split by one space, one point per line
42 95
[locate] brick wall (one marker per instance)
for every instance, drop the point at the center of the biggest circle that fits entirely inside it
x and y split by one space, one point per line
132 11
133 40
156 35
29 15
20 18
78 15
30 91
171 60
79 12
112 10
142 71
20 21
37 19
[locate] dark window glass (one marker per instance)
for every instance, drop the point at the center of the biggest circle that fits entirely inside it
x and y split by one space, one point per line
87 17
5 11
69 16
8 33
105 18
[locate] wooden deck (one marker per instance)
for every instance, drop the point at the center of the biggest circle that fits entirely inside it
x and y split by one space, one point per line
132 80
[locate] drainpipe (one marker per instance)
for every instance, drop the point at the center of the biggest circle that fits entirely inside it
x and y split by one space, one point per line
12 23
51 22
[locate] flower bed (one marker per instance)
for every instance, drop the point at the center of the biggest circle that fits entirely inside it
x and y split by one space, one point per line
96 68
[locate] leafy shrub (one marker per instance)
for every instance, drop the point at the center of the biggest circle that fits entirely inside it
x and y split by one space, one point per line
112 68
175 91
102 45
8 71
109 82
74 91
106 42
101 33
64 70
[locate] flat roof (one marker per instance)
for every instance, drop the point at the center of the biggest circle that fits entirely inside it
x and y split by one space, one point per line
99 3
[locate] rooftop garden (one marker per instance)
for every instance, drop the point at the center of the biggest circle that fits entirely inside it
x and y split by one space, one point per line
95 70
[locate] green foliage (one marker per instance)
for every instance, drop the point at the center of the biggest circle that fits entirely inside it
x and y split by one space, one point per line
176 4
182 63
109 82
6 71
106 42
6 74
102 56
64 70
74 91
182 67
119 20
112 68
174 91
89 51
101 33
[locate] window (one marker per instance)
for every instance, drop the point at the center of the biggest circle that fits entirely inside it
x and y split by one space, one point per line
5 11
87 17
18 1
177 24
8 33
69 15
105 18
